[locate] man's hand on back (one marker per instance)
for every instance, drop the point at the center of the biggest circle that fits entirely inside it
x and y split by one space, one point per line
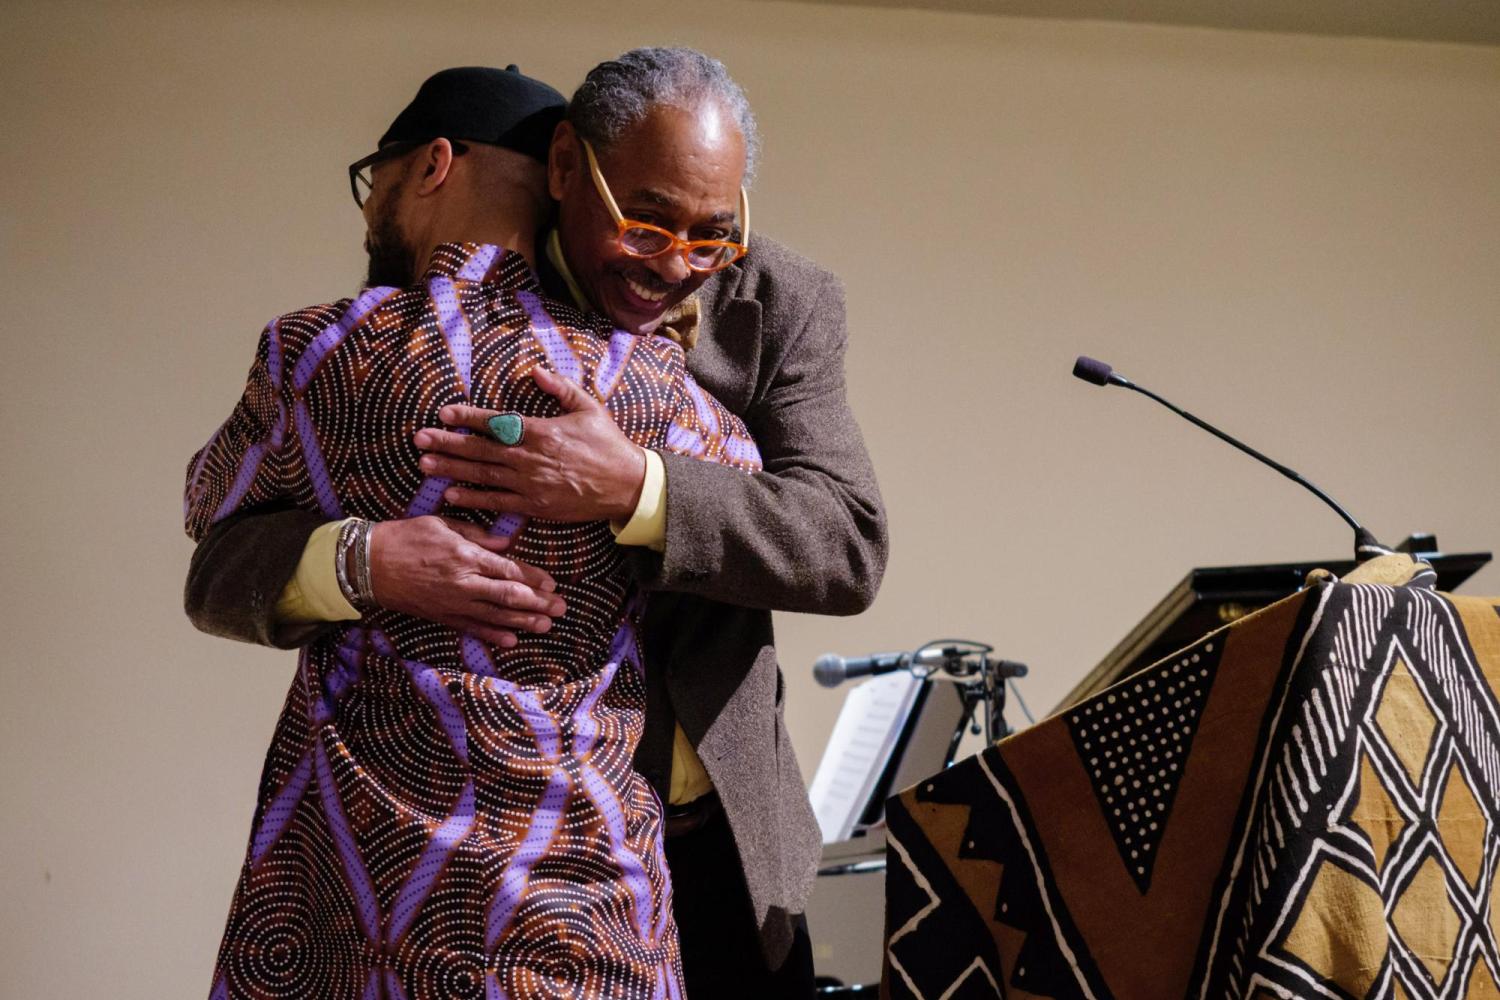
452 572
576 467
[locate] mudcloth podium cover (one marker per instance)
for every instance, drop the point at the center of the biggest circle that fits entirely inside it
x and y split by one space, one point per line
1301 805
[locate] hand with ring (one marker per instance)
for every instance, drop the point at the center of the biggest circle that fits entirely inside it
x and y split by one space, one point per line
508 428
575 467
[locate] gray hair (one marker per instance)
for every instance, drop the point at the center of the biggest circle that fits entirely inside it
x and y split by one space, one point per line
618 93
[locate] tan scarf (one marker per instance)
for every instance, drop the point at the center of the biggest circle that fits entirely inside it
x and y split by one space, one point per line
681 323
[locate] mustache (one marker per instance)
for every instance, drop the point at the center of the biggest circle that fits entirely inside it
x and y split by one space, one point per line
647 278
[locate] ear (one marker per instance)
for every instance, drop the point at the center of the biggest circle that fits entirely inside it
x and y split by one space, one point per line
564 160
436 160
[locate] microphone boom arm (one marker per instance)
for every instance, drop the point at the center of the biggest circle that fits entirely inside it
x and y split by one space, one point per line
1291 474
1098 373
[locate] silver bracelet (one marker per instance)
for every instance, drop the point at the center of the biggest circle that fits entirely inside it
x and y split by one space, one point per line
348 532
363 580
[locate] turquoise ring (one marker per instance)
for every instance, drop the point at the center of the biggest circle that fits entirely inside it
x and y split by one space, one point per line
507 428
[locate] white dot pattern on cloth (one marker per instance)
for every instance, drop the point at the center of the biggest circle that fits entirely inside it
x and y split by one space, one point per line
1133 740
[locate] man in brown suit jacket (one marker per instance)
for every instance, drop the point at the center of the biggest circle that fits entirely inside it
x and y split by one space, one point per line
808 534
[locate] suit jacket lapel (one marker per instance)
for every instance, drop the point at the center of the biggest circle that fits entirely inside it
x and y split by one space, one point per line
728 346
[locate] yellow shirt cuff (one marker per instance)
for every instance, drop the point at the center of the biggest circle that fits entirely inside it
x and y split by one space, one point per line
313 594
648 525
690 779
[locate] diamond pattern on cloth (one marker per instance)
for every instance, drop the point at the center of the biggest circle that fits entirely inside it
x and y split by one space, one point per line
1406 722
1339 895
1426 922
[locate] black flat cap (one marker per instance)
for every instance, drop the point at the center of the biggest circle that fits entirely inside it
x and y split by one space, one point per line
501 107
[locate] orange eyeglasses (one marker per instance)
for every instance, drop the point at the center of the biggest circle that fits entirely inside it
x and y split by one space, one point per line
643 240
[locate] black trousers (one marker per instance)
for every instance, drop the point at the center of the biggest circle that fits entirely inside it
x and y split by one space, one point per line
721 954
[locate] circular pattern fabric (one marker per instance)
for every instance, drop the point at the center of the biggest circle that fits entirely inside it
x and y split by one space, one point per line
439 817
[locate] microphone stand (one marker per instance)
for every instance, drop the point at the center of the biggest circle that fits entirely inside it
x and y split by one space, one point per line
984 684
980 680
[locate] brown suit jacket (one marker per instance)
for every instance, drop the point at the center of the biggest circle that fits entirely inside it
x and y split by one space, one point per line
808 534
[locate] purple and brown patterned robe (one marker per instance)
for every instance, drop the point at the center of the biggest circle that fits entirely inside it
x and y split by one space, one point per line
439 817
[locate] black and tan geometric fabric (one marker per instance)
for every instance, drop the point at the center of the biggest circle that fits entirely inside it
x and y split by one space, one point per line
1305 804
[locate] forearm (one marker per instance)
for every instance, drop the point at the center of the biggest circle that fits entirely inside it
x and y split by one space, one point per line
806 533
791 538
241 569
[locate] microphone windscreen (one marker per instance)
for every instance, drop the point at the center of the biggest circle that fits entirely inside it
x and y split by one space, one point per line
828 670
1093 371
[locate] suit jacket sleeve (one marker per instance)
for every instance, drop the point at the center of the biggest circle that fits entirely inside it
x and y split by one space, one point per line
240 568
808 533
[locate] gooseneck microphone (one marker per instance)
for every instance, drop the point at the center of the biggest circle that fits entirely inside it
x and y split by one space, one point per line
1099 373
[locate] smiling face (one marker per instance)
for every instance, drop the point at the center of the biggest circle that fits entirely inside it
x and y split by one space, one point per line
676 168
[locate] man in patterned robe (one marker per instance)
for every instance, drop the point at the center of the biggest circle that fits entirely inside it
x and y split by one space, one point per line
440 815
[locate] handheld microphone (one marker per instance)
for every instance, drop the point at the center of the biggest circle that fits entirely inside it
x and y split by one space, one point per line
1099 373
831 669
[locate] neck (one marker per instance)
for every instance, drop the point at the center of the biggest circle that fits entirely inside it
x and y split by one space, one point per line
519 242
515 231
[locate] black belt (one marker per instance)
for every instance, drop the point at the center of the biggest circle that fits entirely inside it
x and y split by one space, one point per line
691 816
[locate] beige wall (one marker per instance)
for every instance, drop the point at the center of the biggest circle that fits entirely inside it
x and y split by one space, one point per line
1298 237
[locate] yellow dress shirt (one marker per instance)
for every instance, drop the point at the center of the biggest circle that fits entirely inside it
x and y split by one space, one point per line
313 594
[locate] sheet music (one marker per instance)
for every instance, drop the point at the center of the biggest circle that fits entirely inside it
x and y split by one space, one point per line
858 749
